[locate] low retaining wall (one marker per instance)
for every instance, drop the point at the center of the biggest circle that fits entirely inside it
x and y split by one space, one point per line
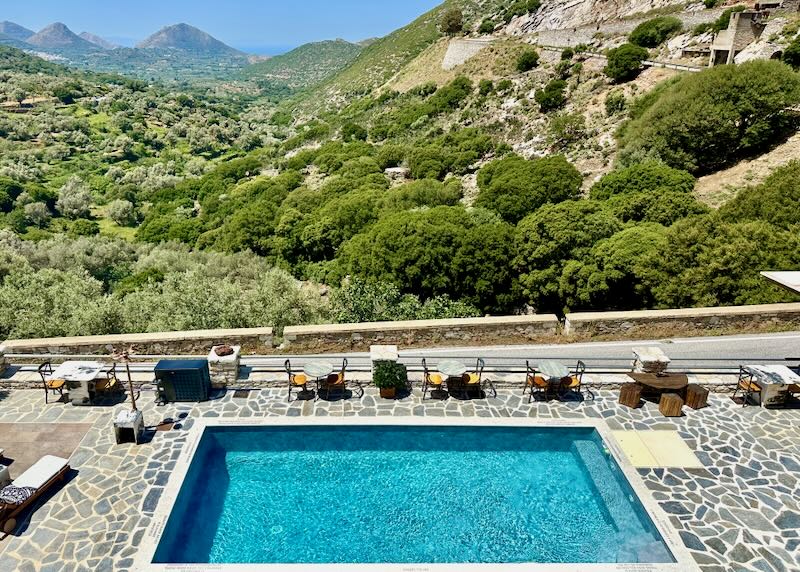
682 323
200 342
422 333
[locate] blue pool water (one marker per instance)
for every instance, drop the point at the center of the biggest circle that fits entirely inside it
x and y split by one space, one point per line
406 495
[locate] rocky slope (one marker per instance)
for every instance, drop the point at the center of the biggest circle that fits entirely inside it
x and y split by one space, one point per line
98 41
59 36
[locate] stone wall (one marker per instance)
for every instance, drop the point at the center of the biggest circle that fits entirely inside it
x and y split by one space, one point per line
422 333
462 49
682 323
200 342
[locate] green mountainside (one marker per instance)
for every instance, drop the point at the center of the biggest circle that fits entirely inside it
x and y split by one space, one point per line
305 66
524 179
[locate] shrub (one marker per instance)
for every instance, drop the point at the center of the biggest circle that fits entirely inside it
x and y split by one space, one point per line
775 200
566 129
791 55
485 87
527 60
353 132
625 62
730 112
514 187
452 21
504 85
520 8
84 227
615 103
650 176
37 214
74 198
551 97
567 54
653 33
487 26
122 212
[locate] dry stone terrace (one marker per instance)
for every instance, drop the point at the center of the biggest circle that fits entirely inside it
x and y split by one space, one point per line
740 512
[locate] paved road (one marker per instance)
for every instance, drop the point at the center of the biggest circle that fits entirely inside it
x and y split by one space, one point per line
708 354
720 353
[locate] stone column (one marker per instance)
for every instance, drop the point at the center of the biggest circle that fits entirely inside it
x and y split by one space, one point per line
223 369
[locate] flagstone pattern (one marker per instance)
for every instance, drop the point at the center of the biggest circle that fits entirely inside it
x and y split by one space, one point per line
741 512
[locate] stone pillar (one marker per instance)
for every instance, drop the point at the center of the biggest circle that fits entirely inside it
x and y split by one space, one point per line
223 369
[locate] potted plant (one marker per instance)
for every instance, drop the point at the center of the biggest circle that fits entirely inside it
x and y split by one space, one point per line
389 376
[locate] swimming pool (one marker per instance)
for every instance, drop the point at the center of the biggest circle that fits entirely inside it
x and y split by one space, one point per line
325 494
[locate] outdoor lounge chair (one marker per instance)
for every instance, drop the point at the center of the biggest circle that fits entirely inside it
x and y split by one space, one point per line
534 383
296 381
746 386
432 381
50 384
29 486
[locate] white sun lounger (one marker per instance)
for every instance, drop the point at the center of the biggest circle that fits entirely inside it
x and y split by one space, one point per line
41 476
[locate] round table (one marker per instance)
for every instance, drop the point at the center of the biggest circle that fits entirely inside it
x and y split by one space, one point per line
318 369
452 368
553 369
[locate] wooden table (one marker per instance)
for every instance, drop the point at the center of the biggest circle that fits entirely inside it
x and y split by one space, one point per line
658 384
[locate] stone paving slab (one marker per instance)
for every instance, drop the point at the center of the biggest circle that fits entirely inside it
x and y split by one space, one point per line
739 512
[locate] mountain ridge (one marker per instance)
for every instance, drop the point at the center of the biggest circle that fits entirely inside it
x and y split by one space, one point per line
186 37
15 31
58 36
98 41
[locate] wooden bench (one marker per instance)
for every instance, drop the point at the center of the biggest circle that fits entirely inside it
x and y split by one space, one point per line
671 405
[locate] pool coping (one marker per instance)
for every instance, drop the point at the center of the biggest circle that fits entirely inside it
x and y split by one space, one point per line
150 540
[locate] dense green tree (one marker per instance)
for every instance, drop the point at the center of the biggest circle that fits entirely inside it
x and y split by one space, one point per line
625 62
776 200
452 21
74 198
84 227
547 239
424 193
791 55
485 87
655 31
527 60
641 177
661 206
9 191
711 263
514 187
353 132
551 96
616 274
487 26
706 120
434 252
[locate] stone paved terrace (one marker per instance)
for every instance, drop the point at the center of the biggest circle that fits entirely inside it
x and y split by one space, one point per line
740 512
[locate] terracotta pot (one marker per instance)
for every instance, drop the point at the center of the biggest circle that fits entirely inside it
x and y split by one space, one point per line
388 392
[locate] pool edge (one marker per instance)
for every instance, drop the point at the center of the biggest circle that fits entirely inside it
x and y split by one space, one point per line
150 540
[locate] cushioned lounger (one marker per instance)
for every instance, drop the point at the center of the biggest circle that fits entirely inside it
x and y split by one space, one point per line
36 480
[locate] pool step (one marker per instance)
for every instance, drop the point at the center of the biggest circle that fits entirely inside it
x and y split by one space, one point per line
634 545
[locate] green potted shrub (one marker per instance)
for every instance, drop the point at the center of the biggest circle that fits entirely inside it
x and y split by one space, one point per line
389 376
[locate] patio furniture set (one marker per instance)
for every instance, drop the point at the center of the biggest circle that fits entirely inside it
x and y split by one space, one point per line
331 383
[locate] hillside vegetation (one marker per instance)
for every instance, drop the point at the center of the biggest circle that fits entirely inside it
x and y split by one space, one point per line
523 180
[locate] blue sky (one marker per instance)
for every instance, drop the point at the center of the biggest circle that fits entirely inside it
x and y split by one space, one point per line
265 26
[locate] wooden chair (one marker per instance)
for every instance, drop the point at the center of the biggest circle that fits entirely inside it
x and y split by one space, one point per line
746 386
50 384
432 381
110 384
296 381
534 383
575 380
474 380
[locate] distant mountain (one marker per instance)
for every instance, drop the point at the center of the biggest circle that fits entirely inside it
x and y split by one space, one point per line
15 31
98 41
57 36
307 65
186 37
